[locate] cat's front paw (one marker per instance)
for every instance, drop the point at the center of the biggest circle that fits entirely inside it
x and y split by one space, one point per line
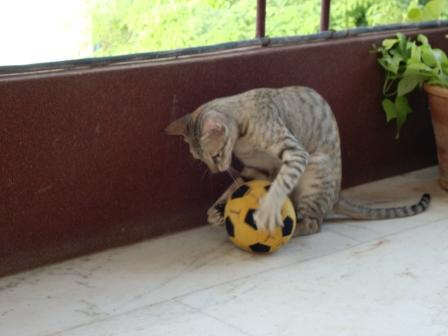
306 226
268 217
215 215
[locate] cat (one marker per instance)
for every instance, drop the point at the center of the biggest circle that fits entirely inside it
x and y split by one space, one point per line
288 136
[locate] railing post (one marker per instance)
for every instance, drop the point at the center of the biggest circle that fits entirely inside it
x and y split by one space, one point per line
261 19
325 15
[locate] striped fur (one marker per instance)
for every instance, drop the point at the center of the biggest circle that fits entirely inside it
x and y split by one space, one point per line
358 211
287 135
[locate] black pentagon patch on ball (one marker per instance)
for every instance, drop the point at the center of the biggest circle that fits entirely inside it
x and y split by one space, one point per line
250 218
240 192
260 248
229 227
287 226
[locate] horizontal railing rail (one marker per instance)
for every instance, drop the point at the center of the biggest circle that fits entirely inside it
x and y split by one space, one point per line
264 41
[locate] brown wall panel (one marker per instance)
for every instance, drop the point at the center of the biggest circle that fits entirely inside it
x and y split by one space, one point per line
85 164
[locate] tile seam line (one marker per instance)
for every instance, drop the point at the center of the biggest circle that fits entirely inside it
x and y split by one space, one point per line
306 260
198 310
332 229
176 298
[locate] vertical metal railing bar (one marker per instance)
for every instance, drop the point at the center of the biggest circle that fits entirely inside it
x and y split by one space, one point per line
260 30
325 15
96 62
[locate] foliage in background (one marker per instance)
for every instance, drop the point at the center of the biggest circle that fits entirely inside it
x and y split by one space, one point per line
289 17
355 13
131 26
426 11
409 64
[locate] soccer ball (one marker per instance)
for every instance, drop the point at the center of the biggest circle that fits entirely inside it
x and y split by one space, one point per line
240 224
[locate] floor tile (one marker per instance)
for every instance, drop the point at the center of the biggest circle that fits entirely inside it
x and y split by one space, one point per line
163 319
306 281
395 191
94 287
394 286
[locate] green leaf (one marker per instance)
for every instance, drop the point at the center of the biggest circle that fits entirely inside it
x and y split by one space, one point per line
407 84
440 56
390 109
416 53
418 69
428 57
432 10
383 63
389 43
402 39
415 14
398 110
387 87
394 63
403 109
422 39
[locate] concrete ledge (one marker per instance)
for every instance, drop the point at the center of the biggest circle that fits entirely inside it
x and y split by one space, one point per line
85 165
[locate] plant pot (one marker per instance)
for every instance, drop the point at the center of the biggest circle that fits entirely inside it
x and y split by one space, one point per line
438 104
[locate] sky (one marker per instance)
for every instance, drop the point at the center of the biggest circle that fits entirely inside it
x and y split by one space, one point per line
34 31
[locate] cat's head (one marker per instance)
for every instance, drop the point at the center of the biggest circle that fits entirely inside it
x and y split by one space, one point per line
211 137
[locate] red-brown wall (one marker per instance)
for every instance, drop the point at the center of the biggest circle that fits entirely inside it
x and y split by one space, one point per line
85 164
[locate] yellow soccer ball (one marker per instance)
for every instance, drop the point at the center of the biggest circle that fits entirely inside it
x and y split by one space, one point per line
240 224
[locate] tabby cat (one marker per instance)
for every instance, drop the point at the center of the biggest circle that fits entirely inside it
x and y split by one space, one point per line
288 136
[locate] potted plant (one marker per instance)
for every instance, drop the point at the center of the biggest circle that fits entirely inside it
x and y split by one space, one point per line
410 64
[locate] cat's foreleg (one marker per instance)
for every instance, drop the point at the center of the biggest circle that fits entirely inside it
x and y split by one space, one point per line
250 173
317 192
215 215
294 161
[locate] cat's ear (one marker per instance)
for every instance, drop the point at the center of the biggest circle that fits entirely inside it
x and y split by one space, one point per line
178 126
213 128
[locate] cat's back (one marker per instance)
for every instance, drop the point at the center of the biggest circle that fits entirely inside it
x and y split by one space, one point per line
287 102
299 109
310 118
303 111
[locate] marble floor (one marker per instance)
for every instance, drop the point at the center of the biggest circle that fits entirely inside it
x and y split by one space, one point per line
354 278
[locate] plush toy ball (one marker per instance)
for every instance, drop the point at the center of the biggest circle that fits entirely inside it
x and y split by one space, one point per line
240 224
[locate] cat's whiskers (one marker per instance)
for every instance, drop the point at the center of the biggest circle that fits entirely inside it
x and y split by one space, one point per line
231 175
204 174
291 131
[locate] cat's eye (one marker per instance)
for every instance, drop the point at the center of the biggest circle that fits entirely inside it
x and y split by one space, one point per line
216 157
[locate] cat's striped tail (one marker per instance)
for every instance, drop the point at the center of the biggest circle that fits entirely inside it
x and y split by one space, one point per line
357 211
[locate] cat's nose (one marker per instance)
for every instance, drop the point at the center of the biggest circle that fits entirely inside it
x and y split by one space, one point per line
213 169
221 169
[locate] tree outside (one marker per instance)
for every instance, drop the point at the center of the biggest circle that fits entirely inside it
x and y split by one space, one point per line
51 30
132 26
